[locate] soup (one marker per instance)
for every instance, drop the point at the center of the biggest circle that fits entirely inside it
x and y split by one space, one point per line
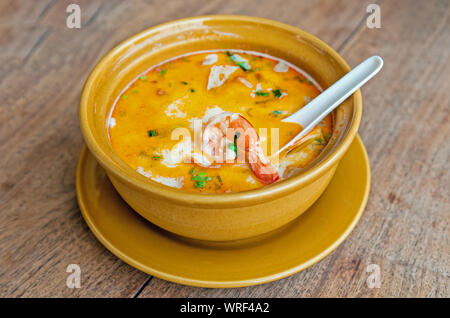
163 122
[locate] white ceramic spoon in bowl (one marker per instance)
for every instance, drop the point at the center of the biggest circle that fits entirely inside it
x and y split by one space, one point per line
311 114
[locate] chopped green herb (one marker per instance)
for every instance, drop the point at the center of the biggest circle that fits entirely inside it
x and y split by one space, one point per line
200 184
261 93
220 179
156 157
143 77
327 137
184 83
242 63
152 133
163 71
124 96
277 112
277 93
319 141
243 66
236 136
235 149
134 91
232 146
192 90
199 178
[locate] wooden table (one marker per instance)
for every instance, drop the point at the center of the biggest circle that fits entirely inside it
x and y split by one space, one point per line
405 228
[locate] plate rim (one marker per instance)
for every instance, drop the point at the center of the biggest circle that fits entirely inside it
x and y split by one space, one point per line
221 284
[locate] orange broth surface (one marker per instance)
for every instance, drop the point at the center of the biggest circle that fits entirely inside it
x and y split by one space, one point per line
173 94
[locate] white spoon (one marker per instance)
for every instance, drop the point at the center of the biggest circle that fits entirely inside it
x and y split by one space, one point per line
311 114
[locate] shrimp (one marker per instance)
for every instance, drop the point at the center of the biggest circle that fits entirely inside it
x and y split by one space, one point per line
231 135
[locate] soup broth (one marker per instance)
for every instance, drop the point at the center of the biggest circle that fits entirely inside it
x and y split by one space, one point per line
196 87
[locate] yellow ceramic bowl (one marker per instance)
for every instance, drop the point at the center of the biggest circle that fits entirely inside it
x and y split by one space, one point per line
216 217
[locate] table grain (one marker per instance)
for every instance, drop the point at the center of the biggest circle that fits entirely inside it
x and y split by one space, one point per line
404 229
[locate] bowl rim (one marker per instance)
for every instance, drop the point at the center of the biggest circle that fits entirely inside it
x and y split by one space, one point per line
211 200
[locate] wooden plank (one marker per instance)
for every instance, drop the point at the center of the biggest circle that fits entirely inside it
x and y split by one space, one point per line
43 65
42 70
406 120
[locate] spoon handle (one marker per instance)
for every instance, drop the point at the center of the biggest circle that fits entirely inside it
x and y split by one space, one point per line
311 114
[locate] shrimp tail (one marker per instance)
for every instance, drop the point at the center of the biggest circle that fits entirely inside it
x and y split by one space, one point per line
262 168
265 174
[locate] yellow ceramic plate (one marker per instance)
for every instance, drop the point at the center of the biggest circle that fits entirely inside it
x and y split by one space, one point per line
296 246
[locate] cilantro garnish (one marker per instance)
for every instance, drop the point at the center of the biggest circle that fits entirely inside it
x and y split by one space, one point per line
277 93
199 178
232 146
242 63
321 142
152 133
261 93
199 184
